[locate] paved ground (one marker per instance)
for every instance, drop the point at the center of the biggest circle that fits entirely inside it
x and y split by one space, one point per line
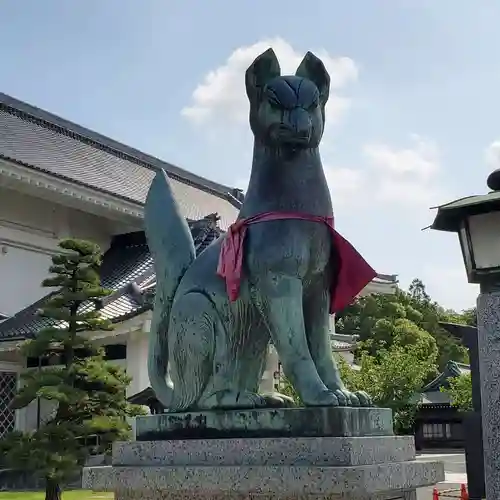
455 475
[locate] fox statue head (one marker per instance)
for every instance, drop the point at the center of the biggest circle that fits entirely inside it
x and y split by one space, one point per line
287 112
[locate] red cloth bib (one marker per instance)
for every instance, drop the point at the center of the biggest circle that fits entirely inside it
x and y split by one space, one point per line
353 275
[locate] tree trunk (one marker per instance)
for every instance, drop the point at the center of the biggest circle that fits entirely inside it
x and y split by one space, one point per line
52 490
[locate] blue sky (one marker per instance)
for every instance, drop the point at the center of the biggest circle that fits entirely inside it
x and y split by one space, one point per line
413 120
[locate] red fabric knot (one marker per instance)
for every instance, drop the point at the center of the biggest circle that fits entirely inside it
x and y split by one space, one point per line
353 273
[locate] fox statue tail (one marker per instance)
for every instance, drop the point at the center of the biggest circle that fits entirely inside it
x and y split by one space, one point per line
172 247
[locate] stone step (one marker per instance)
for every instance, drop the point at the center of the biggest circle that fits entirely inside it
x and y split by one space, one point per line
286 422
331 451
360 482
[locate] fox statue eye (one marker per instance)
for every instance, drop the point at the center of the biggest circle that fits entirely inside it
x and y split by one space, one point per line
313 106
274 103
315 102
273 100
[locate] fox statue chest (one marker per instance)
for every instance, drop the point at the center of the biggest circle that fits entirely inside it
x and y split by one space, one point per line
293 248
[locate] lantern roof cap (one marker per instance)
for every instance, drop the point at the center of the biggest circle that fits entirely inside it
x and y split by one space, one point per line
450 215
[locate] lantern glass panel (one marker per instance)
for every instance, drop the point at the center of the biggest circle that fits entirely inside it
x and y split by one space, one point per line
484 237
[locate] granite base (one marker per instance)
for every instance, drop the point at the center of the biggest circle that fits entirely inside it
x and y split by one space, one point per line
371 468
368 482
257 496
327 458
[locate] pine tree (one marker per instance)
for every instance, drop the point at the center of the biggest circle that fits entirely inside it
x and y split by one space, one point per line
88 393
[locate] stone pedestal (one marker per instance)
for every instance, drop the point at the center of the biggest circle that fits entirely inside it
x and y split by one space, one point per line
325 457
488 330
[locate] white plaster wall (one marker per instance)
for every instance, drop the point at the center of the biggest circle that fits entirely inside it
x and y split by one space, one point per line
29 232
348 356
137 362
27 420
272 365
23 270
332 323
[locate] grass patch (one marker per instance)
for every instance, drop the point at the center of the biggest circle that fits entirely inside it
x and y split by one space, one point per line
68 495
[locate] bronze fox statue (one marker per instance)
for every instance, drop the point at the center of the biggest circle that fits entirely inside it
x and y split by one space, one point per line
210 332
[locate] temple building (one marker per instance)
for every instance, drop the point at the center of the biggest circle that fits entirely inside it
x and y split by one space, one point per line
58 180
438 424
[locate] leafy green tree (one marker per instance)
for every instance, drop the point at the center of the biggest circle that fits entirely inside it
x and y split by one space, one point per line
450 349
394 377
380 319
466 317
88 393
460 392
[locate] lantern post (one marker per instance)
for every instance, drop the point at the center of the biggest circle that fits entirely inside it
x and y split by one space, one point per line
476 220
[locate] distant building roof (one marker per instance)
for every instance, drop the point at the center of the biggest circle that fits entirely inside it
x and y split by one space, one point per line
42 141
382 284
434 398
338 346
341 342
431 394
452 369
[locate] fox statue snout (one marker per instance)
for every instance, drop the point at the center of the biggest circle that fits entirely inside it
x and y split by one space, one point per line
296 129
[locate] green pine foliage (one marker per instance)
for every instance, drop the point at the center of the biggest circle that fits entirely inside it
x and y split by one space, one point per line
88 393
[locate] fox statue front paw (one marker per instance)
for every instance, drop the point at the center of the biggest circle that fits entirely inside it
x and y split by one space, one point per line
278 400
356 398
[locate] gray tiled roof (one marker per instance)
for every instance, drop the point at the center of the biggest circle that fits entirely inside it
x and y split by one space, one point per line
127 269
342 346
386 278
431 394
452 369
434 398
36 139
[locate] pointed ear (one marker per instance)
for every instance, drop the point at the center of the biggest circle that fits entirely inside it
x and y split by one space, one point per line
313 69
264 68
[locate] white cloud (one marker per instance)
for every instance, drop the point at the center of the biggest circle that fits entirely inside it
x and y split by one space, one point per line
345 184
405 175
418 162
492 154
221 95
